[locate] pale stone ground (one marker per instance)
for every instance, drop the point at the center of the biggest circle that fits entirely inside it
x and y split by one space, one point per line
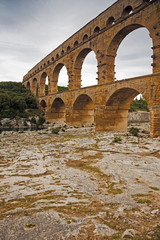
79 185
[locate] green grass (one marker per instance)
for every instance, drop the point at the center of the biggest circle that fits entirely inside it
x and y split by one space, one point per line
113 190
154 188
144 201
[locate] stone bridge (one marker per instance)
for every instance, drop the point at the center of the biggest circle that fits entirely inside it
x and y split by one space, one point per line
107 103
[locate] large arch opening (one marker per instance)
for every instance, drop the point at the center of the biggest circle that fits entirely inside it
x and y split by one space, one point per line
60 76
58 110
43 105
86 68
138 39
118 106
83 111
134 55
28 86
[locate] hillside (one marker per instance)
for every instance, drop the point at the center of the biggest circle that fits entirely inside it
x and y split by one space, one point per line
15 99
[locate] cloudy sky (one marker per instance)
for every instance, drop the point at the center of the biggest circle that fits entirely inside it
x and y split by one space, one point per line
31 29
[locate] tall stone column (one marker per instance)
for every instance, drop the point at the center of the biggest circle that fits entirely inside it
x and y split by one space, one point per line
69 115
155 121
52 88
110 119
75 79
41 90
105 68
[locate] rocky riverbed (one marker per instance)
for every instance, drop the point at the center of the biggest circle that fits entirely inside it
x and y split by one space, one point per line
79 184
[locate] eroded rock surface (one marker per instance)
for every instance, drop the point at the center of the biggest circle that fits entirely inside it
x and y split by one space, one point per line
79 185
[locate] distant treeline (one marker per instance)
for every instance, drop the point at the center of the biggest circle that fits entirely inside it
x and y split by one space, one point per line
139 105
60 89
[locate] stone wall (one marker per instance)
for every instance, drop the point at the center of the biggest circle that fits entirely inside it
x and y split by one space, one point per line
138 117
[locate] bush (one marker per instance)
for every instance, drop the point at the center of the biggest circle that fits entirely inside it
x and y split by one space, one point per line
41 120
134 131
117 139
139 105
15 99
62 89
33 120
55 130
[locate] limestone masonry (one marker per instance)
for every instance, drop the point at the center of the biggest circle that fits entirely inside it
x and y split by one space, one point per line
107 103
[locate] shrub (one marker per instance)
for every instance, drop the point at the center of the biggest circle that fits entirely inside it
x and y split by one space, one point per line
55 130
134 131
117 139
15 99
33 120
41 120
139 105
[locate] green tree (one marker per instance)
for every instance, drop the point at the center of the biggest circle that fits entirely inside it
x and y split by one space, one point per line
139 105
15 99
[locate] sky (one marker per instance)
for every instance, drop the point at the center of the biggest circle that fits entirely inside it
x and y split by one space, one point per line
31 29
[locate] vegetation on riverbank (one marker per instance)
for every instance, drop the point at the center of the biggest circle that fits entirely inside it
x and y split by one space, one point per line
16 101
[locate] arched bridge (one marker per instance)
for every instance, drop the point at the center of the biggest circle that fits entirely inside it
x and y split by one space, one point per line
106 103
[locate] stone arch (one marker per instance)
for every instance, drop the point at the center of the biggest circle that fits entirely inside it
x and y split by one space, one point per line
83 110
96 30
75 43
28 85
127 11
134 59
85 38
58 112
43 89
114 45
57 56
55 75
78 65
117 107
62 52
122 98
35 87
43 105
110 21
68 48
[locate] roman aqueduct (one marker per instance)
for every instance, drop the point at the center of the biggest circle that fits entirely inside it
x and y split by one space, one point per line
108 102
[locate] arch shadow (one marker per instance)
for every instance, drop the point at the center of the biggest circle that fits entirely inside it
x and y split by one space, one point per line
57 111
83 111
115 114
